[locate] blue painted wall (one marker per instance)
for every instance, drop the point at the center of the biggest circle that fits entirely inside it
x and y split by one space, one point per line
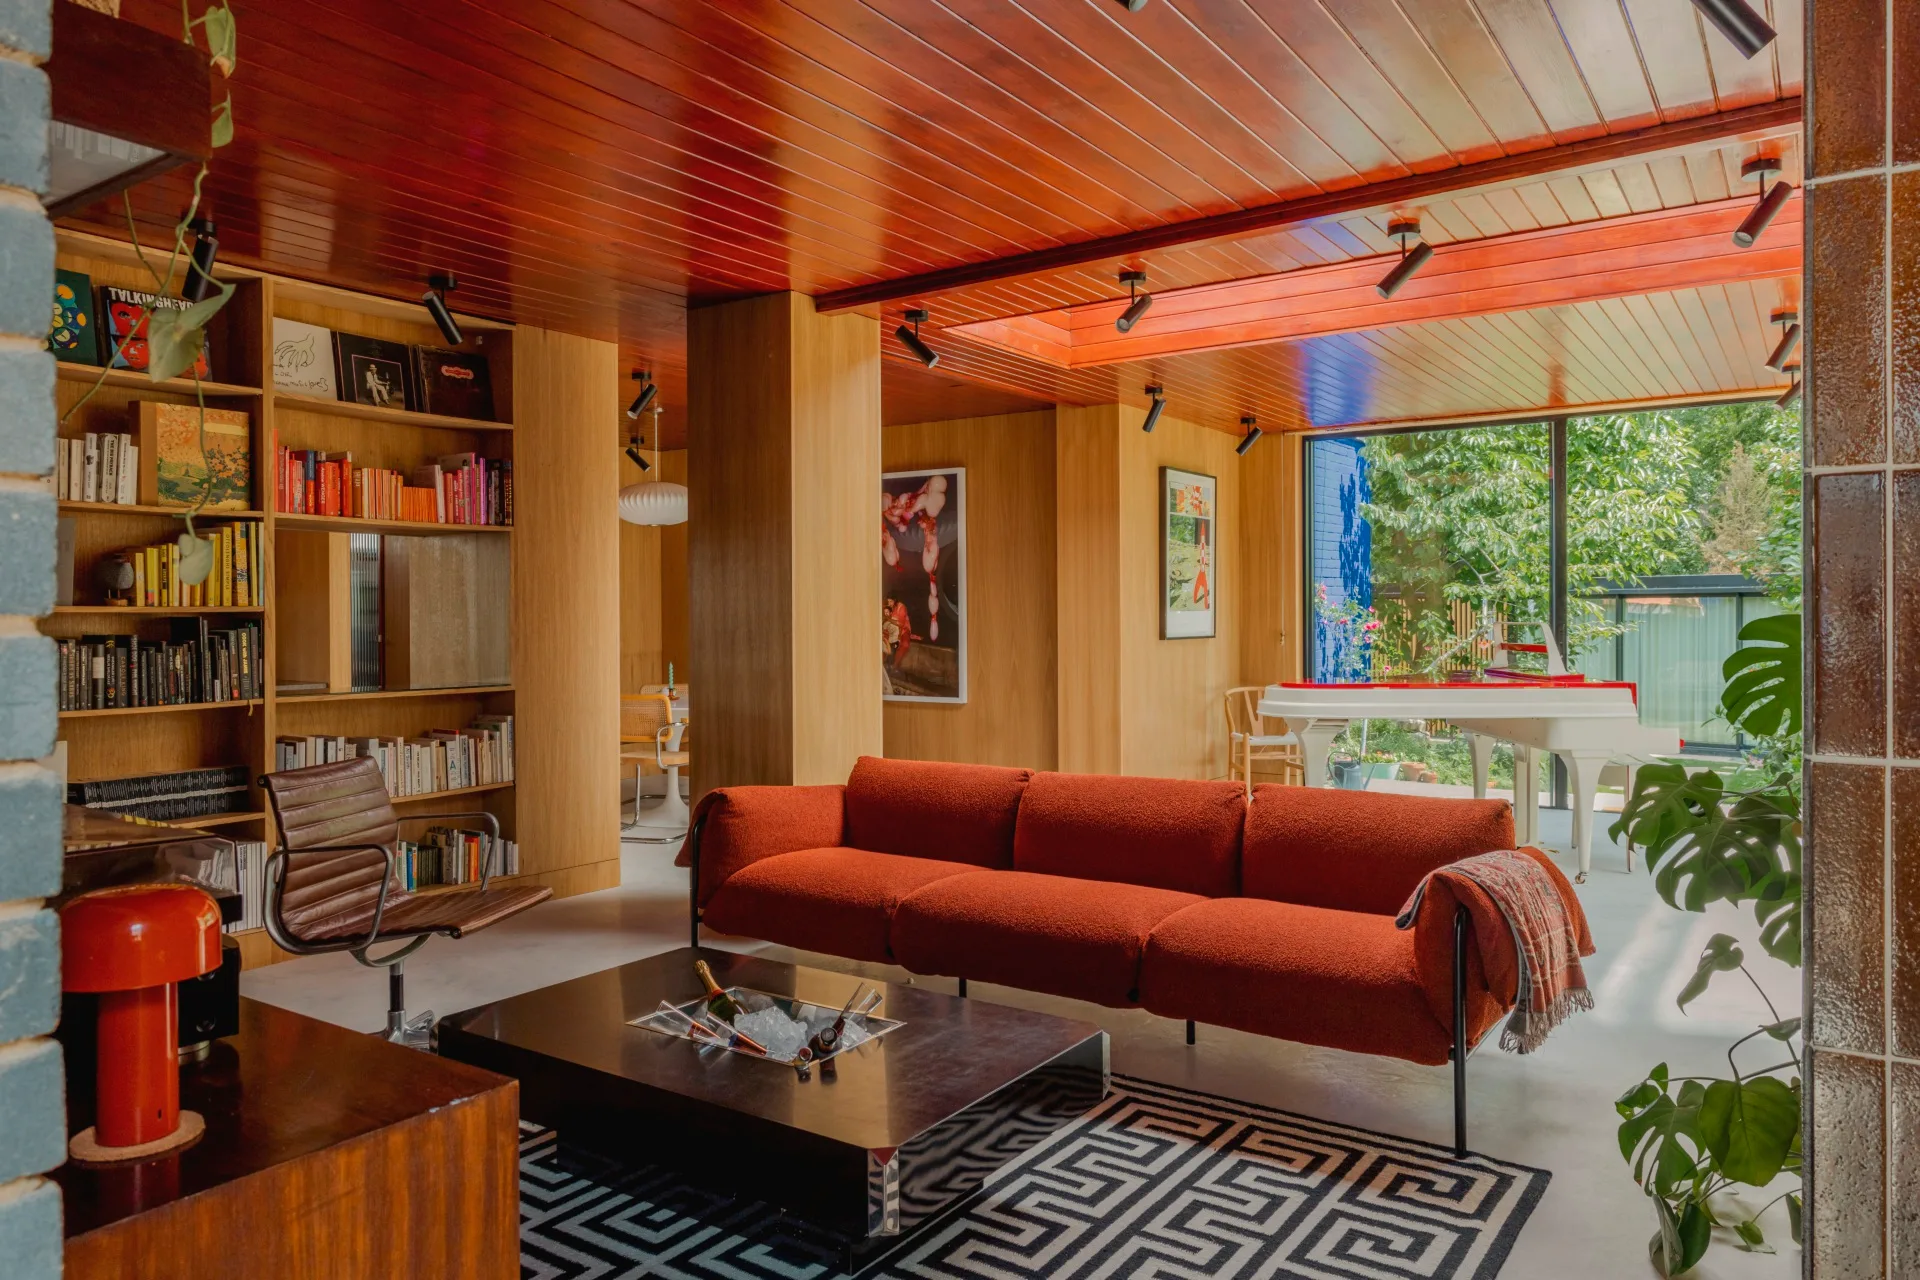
1342 557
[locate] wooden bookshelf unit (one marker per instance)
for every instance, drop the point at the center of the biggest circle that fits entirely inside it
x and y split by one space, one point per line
301 552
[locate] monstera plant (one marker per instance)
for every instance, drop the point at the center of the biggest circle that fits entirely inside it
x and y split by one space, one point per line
1692 1140
175 337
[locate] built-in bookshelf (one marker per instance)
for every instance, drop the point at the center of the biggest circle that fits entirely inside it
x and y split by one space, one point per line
301 551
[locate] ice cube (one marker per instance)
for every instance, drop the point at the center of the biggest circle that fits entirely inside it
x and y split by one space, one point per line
781 1035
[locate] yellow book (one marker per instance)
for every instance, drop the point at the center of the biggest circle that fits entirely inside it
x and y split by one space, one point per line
226 567
139 579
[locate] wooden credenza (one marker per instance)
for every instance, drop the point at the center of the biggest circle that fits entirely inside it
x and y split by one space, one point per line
327 1154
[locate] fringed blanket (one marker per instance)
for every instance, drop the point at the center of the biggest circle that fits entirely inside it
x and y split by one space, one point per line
1551 982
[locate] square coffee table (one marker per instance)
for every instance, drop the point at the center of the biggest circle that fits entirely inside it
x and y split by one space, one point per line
874 1143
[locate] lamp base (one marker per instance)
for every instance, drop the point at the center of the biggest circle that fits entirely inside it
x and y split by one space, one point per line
84 1147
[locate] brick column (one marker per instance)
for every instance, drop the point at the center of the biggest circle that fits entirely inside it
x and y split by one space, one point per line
1863 632
32 1108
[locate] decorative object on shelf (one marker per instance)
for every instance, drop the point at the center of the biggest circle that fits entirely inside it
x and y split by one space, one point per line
1189 545
372 371
198 458
454 384
73 335
132 945
113 574
652 502
128 323
923 579
303 359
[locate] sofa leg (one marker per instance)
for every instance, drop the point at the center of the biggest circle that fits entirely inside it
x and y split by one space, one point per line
1189 1030
963 988
1460 1032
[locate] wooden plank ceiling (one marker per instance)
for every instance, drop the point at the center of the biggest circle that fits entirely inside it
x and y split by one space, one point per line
598 166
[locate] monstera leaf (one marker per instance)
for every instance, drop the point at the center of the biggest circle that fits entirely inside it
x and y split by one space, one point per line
1749 1126
1721 955
1705 846
1682 1239
1660 1134
1762 696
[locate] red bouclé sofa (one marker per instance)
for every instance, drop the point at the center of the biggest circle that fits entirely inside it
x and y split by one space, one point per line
1273 916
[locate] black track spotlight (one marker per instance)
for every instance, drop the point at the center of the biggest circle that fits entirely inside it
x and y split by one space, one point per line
1156 406
648 390
633 451
1248 440
1403 230
1141 301
206 244
1789 322
910 338
1787 398
438 287
1739 23
1772 200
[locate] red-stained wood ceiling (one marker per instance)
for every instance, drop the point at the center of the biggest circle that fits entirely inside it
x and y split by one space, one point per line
598 166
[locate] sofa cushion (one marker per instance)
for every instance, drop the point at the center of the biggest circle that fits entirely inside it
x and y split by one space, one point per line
835 901
928 809
1344 979
735 827
1067 937
1360 850
1165 833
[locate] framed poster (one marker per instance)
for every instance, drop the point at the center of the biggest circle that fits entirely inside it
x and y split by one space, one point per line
1189 554
923 585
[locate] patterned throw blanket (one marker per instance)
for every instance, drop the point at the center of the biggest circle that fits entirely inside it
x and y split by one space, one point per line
1551 983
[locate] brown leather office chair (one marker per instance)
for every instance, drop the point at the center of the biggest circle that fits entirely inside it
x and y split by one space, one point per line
332 884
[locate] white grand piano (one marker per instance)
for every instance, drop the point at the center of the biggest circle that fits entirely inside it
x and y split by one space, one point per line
1585 722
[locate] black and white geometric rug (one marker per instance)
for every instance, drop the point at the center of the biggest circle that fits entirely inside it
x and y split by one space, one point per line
1154 1182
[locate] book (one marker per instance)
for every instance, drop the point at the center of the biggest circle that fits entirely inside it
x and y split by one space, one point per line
124 329
97 467
176 469
165 797
73 335
457 384
372 371
303 359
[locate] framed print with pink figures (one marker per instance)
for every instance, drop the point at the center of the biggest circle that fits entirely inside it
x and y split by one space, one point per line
923 585
1189 550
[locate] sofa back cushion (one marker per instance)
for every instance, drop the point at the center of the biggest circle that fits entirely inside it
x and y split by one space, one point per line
1165 833
1360 850
929 809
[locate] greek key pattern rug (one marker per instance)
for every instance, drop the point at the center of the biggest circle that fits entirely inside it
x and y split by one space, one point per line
1154 1182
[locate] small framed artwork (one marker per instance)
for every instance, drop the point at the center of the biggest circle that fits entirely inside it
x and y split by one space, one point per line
1189 554
923 585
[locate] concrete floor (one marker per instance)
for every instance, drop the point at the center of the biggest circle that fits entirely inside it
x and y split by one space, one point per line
1552 1109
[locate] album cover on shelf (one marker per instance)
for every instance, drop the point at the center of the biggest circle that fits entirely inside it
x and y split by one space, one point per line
303 359
123 328
457 384
73 334
176 462
372 371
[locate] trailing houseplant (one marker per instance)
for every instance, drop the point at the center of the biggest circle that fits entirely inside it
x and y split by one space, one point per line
1691 1140
175 337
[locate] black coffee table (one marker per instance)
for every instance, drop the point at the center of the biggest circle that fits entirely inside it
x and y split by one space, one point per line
877 1141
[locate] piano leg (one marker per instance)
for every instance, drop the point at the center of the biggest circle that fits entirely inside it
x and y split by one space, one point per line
1316 739
1480 747
1583 781
1526 797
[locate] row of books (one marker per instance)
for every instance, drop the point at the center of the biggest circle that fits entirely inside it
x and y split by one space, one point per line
462 488
197 664
167 797
238 579
250 879
448 855
438 760
102 467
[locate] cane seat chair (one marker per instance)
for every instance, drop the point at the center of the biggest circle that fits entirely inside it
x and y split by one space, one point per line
1249 742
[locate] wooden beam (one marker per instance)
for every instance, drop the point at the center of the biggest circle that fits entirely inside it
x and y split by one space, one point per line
1682 135
1619 257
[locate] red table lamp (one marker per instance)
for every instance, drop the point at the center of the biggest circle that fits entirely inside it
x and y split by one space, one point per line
131 945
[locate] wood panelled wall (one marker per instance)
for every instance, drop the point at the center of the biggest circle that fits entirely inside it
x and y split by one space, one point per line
1009 717
653 587
566 609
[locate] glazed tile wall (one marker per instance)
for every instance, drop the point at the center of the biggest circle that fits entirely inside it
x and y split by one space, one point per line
1863 629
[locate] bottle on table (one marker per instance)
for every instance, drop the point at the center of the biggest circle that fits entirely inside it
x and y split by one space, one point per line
719 1003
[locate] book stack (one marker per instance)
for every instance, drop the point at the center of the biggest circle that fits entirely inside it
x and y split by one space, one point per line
250 881
462 488
438 760
237 581
447 855
195 665
102 467
167 797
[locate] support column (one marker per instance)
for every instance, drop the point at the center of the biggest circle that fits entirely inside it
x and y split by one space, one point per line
1087 546
783 465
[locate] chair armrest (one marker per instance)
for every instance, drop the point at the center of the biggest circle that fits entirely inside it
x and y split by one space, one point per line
276 885
488 820
745 824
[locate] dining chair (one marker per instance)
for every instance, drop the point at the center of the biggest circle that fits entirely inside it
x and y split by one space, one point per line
650 734
1246 743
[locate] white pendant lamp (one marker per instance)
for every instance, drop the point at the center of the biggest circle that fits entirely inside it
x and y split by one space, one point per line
653 502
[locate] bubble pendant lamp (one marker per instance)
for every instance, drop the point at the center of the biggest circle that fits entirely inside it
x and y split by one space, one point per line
653 502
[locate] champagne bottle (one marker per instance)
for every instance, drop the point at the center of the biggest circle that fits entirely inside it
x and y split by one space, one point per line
827 1038
719 1003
